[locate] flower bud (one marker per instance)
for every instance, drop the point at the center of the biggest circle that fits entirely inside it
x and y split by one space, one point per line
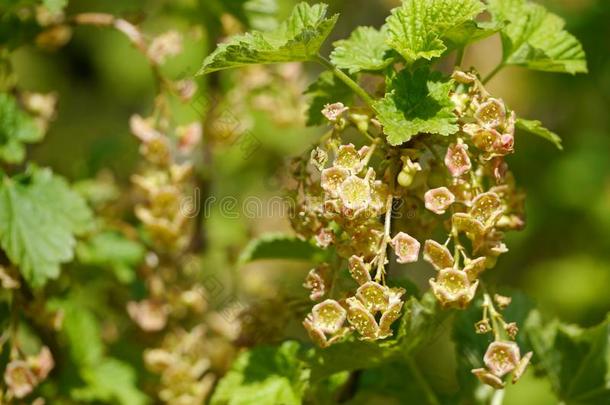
482 327
525 360
488 378
316 281
406 248
437 255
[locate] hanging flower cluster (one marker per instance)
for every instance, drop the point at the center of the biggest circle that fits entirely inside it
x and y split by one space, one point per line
346 198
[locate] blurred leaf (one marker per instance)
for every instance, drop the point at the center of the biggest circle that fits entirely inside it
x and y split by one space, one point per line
112 381
257 14
297 39
535 38
280 246
327 89
536 128
365 49
576 360
416 29
264 376
39 218
55 6
16 129
416 103
113 250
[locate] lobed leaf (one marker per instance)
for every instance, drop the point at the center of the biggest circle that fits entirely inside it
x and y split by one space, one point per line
266 376
417 28
39 218
365 49
296 40
536 128
535 38
416 103
17 128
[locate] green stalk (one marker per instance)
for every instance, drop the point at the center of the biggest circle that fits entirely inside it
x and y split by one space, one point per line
493 73
347 80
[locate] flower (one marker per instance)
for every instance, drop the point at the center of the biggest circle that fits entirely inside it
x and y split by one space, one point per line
502 357
511 329
374 296
348 158
453 289
491 113
359 270
189 136
332 178
406 248
328 316
19 378
437 255
333 112
318 158
482 326
457 159
316 281
355 193
361 319
438 200
166 44
475 267
488 378
149 315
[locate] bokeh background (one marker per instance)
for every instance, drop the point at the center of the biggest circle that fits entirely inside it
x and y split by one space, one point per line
562 258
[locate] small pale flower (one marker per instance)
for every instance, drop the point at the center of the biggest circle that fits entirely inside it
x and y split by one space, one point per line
437 255
475 267
359 270
189 136
482 326
525 360
348 158
149 315
19 378
318 158
166 44
453 289
463 77
389 316
374 296
314 332
361 319
485 139
488 378
457 159
502 301
511 329
325 238
42 364
491 113
502 357
186 89
462 222
355 193
486 208
328 316
438 200
142 128
406 248
333 112
332 178
316 281
505 144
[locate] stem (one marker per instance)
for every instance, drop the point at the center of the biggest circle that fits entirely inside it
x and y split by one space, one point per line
495 316
493 73
459 57
498 398
422 383
381 257
347 80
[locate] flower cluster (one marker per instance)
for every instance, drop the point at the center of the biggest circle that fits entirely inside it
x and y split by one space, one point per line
503 355
23 374
460 183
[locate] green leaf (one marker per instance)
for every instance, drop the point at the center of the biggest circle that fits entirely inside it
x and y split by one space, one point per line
111 249
327 89
536 128
469 32
416 29
416 103
256 14
280 246
39 218
365 49
111 381
535 38
55 6
297 39
16 129
265 376
576 360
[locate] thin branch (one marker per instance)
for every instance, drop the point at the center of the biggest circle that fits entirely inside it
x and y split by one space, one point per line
366 97
493 73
